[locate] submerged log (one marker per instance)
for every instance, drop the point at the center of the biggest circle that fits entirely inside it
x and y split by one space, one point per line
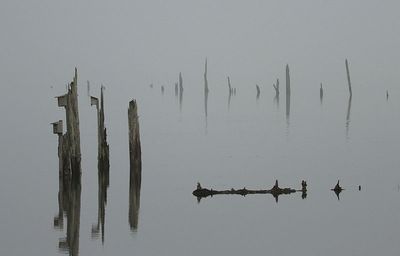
201 192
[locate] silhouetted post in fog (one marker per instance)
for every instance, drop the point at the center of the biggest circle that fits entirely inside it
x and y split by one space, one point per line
176 89
276 87
180 91
287 93
71 149
348 78
229 86
387 94
135 157
321 93
258 91
205 78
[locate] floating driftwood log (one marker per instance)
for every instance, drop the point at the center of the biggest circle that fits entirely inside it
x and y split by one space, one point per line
135 157
276 191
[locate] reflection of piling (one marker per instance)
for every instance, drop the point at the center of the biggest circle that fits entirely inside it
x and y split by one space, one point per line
70 147
135 165
348 78
230 92
176 89
276 87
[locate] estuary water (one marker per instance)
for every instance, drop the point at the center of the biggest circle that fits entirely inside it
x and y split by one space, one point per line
222 142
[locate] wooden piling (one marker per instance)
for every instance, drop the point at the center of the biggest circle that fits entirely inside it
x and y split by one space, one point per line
258 91
135 165
205 78
348 78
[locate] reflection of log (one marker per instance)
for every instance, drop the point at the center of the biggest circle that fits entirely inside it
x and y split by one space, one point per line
135 165
275 191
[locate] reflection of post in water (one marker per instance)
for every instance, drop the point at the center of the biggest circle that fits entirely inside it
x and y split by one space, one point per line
276 98
103 166
176 90
348 117
70 147
69 204
88 88
287 94
180 91
135 157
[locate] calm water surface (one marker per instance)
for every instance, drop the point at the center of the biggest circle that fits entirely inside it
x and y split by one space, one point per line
221 142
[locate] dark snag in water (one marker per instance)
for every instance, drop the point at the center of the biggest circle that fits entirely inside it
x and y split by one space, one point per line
201 192
258 91
337 189
103 166
348 78
135 157
321 93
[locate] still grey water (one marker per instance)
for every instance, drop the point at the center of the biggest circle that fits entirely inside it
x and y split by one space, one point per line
220 141
241 142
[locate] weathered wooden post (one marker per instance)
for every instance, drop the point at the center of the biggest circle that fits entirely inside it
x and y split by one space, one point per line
348 117
276 87
180 91
135 157
258 91
58 129
287 93
205 78
321 93
176 89
71 142
348 78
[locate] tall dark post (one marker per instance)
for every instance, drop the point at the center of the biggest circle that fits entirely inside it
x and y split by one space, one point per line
258 91
135 157
348 78
71 149
103 165
180 91
205 78
321 93
287 93
230 92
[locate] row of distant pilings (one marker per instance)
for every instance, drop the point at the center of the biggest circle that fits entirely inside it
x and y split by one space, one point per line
69 154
